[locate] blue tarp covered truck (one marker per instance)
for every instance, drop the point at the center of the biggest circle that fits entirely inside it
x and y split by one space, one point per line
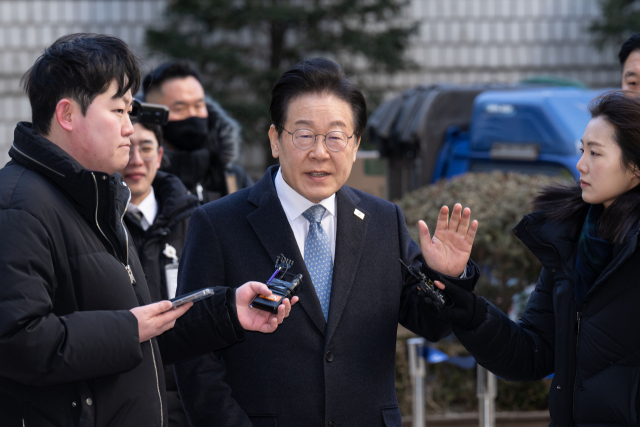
436 132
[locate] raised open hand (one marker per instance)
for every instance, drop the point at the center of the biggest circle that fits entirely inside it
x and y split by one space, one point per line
253 319
448 251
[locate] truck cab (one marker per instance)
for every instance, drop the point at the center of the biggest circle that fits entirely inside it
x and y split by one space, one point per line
536 131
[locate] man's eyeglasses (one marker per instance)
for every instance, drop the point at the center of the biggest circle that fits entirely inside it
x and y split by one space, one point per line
305 138
148 152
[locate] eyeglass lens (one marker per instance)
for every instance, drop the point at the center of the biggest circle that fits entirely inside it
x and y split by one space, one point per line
147 152
335 141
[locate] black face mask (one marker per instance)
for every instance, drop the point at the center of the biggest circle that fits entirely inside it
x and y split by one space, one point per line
188 135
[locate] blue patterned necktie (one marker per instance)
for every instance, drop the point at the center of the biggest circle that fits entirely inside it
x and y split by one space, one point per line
317 256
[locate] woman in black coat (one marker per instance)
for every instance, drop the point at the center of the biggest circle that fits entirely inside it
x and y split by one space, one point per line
582 322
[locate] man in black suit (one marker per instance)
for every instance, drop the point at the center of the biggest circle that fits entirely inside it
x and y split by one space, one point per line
332 363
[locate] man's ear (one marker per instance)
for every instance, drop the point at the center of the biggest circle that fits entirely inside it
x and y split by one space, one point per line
355 149
64 112
274 141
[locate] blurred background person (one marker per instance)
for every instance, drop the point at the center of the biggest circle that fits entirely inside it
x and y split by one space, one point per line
157 218
629 57
201 140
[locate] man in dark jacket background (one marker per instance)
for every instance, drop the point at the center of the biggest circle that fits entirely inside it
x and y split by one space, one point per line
629 57
78 331
157 219
202 141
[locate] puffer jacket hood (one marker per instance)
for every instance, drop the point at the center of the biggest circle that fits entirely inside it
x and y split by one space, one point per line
592 348
224 133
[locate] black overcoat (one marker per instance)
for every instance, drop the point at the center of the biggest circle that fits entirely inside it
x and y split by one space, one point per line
309 372
593 348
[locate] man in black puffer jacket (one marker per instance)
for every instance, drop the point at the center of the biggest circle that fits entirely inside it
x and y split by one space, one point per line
156 244
78 331
158 219
202 142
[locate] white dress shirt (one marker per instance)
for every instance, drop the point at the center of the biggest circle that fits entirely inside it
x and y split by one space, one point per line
148 208
294 205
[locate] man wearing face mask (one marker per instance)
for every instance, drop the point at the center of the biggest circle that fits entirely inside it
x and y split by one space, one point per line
201 140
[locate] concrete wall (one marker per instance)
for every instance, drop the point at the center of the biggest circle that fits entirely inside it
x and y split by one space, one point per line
481 41
27 27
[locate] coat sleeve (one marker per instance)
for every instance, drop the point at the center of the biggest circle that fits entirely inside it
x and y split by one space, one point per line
202 380
412 316
38 347
517 351
210 325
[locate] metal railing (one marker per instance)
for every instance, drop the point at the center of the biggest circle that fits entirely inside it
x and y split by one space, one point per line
486 387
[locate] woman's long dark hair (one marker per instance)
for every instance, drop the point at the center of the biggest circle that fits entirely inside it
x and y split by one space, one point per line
621 109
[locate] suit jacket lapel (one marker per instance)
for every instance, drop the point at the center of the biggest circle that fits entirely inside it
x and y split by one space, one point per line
350 237
270 224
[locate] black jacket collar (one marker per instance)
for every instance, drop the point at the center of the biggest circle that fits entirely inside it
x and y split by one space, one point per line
100 198
555 245
174 202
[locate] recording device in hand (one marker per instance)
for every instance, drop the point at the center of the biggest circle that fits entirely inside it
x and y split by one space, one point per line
426 285
152 114
453 304
281 288
192 297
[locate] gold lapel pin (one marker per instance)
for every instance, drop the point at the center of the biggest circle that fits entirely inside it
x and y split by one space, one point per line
358 214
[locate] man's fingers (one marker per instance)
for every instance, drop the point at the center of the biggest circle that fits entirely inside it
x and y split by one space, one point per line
287 307
270 325
472 232
439 284
281 313
168 326
455 217
464 222
443 219
247 292
172 315
259 288
158 307
425 237
294 300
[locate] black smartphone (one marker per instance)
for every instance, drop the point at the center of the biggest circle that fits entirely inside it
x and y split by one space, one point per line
192 297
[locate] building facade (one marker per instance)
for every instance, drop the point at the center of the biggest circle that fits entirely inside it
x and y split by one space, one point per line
27 27
458 41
